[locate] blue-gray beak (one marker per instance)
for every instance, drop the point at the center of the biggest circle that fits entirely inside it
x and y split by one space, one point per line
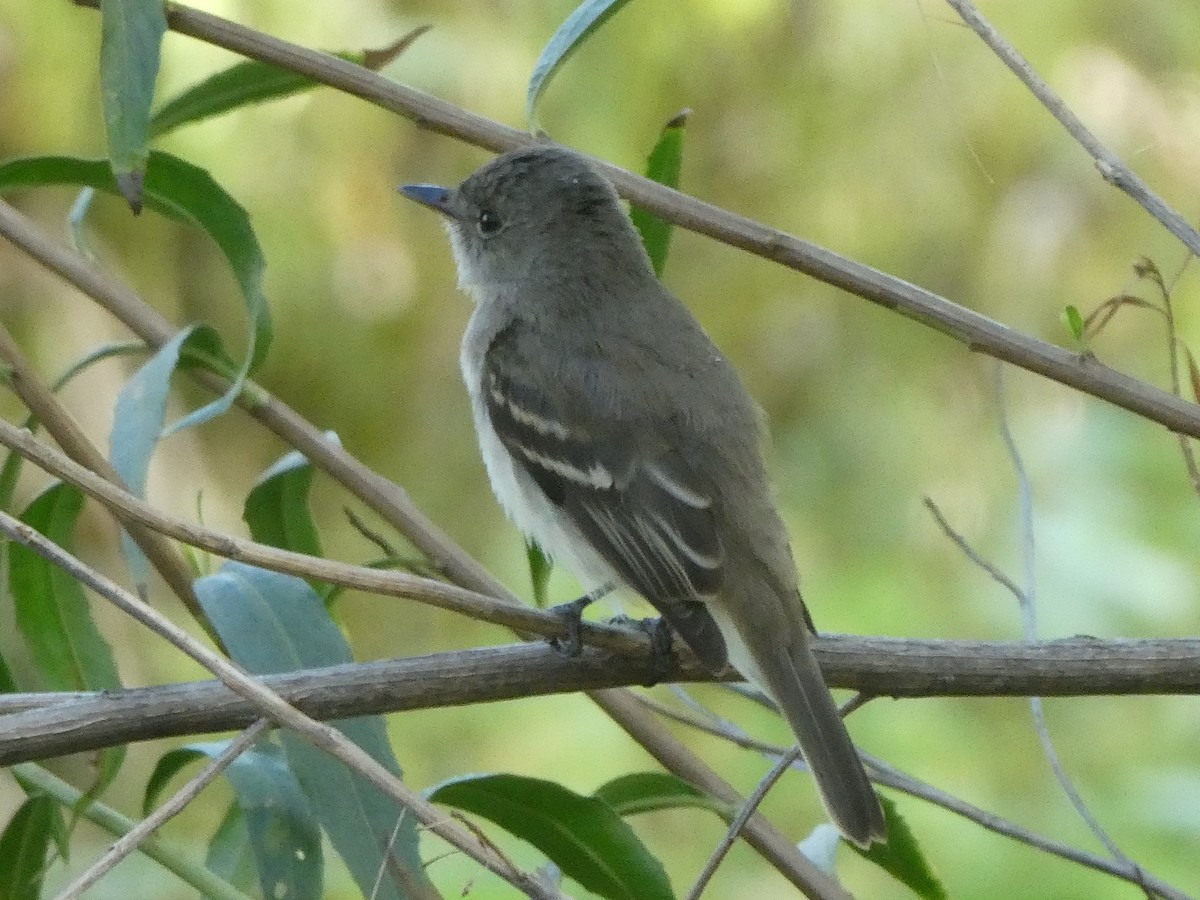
434 196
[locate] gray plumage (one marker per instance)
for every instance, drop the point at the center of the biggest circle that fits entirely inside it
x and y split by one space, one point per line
618 437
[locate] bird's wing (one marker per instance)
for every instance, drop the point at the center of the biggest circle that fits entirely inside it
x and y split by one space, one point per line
635 500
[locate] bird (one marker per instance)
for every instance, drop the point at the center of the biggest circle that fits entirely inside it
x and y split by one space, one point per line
618 437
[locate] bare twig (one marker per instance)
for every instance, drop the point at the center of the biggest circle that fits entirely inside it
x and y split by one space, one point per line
1026 598
272 705
739 822
1111 168
130 841
400 584
885 774
173 859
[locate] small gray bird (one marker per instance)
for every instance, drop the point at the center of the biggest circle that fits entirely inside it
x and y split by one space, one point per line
618 437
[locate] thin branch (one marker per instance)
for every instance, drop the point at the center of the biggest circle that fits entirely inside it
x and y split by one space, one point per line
739 822
1111 168
381 581
175 859
136 836
272 705
1026 598
889 776
644 727
886 774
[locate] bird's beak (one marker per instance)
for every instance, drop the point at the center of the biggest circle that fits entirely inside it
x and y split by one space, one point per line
436 197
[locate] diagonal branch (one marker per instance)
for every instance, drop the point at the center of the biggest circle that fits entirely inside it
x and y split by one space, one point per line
269 704
1110 166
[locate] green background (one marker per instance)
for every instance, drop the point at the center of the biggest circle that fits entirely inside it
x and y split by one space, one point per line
885 131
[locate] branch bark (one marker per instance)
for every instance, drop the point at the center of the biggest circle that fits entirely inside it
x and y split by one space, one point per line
39 726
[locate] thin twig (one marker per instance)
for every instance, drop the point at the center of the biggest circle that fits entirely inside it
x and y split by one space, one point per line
1111 168
739 822
174 859
885 774
1026 598
381 581
130 841
272 705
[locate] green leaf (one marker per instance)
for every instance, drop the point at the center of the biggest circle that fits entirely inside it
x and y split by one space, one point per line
11 470
540 568
138 424
277 509
229 856
251 82
23 848
641 792
1074 322
575 29
189 194
581 835
283 834
130 42
242 84
54 618
277 623
7 685
663 166
902 858
51 610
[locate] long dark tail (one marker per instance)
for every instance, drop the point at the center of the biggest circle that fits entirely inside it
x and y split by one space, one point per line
795 682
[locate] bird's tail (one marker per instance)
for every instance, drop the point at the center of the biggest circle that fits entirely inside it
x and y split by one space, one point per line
789 673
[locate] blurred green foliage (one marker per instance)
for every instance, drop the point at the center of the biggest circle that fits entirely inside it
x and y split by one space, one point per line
885 131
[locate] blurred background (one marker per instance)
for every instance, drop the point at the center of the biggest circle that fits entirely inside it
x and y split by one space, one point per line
884 131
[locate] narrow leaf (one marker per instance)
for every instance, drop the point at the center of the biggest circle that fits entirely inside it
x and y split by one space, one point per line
581 835
54 618
663 166
138 424
51 610
276 623
130 42
641 792
902 857
1074 322
277 510
250 82
229 855
283 834
181 191
575 29
23 848
540 568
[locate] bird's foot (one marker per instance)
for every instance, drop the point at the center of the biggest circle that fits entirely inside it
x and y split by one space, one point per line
572 615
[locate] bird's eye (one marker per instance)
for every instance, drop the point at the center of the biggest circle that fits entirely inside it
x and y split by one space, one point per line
489 223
